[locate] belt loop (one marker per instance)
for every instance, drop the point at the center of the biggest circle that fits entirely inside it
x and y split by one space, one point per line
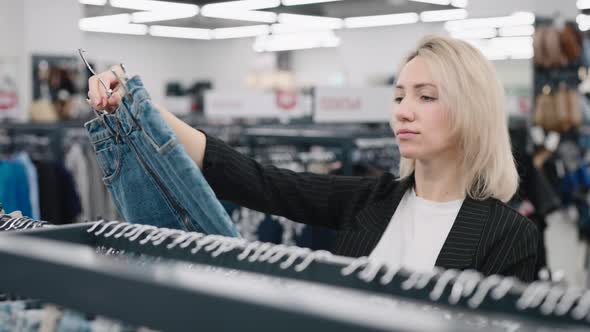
123 84
114 132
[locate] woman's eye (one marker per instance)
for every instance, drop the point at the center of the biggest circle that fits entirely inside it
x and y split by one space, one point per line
427 98
398 100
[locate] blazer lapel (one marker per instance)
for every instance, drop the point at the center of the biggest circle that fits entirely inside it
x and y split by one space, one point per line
376 216
387 206
460 247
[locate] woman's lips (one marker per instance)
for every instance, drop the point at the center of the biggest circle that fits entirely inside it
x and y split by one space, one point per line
406 134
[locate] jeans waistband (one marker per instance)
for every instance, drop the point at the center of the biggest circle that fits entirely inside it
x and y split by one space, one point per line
125 119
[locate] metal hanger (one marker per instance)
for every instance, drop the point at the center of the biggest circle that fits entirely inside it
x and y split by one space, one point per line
108 90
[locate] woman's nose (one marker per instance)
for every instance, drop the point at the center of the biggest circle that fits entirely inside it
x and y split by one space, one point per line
403 111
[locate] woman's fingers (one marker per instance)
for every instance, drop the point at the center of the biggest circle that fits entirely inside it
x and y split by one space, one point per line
102 87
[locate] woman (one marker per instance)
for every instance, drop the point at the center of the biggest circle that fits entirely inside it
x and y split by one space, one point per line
457 171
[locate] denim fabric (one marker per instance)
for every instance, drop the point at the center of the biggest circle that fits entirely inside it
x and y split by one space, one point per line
149 174
72 321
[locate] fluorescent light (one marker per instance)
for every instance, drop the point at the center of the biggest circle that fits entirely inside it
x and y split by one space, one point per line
112 24
150 5
246 15
435 2
128 29
512 43
133 4
107 20
481 33
583 4
245 10
380 20
326 22
179 32
496 56
503 48
443 15
93 2
295 28
459 3
304 2
154 16
274 43
152 11
242 5
522 55
519 30
584 27
241 32
489 52
519 18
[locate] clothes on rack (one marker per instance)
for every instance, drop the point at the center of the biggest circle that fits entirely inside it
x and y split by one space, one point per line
535 198
14 187
35 151
148 173
80 160
76 164
33 181
32 315
59 200
102 205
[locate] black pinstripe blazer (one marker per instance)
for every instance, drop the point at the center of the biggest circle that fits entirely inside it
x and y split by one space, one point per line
487 236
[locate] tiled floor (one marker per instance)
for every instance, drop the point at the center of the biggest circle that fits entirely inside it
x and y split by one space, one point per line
565 252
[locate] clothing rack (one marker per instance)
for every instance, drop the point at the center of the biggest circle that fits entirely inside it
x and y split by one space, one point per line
9 223
166 295
540 302
55 132
342 137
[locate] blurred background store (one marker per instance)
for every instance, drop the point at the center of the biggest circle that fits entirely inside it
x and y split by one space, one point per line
303 84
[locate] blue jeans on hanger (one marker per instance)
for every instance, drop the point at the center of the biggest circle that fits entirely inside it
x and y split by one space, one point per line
149 174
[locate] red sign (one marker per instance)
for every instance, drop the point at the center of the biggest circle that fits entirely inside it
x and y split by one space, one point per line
8 100
341 103
286 100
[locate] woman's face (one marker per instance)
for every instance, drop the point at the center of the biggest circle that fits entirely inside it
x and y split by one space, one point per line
420 121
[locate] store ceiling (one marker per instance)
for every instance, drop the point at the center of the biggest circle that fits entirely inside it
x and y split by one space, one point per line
339 9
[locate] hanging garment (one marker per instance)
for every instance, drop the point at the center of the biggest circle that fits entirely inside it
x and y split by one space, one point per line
14 187
101 206
149 174
58 199
75 163
33 181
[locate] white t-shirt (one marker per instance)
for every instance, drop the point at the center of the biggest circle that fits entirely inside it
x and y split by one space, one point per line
416 233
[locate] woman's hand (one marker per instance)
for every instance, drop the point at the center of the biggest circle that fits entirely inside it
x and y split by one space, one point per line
100 85
193 140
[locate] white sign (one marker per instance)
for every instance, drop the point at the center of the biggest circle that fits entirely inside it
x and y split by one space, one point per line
179 105
252 104
371 104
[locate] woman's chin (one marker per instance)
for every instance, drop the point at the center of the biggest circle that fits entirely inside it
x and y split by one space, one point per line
408 154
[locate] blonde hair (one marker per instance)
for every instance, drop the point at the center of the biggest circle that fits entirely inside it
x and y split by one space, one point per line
470 88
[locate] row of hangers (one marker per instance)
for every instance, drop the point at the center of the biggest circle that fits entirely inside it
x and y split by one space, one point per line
468 288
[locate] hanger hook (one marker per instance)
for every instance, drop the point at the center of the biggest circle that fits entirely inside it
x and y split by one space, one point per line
109 91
